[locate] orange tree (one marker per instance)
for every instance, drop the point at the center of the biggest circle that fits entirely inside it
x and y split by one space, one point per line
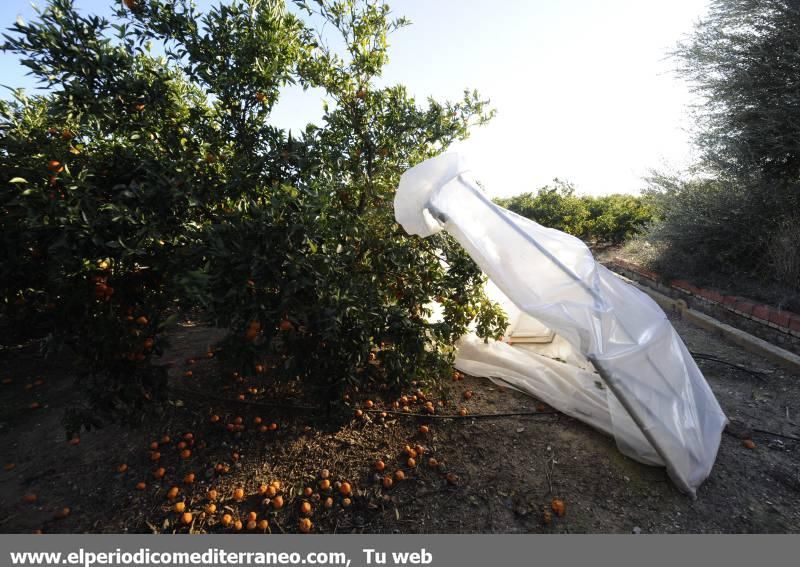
150 179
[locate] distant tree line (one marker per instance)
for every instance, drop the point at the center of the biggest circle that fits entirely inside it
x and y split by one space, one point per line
609 219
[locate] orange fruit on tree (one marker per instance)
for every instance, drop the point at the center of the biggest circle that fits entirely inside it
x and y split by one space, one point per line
214 418
262 489
210 508
558 507
411 462
346 502
55 166
185 454
325 485
212 494
159 473
399 475
142 320
277 502
369 404
155 455
189 478
140 486
251 525
271 491
276 484
324 473
188 374
166 439
424 429
263 525
387 482
305 508
433 463
305 525
186 518
179 507
172 493
462 412
238 494
345 489
122 468
261 97
30 498
226 520
252 516
380 466
308 491
328 503
452 478
237 525
359 413
154 445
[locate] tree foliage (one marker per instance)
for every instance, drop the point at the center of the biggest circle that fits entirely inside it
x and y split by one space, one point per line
149 179
743 60
608 219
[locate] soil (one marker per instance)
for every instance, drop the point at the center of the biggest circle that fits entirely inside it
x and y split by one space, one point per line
507 469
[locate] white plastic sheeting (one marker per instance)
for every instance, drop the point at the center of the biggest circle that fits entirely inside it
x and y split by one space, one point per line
648 392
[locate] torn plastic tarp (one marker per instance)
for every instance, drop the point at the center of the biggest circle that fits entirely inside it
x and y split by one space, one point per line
648 392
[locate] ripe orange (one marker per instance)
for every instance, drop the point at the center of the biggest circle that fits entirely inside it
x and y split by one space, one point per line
214 418
166 439
346 502
273 426
159 473
308 491
305 525
185 454
189 478
263 525
424 429
142 320
237 525
188 374
345 489
399 475
155 455
462 412
558 507
305 508
238 494
276 484
272 491
370 404
380 466
172 493
226 520
277 502
359 413
433 463
325 485
328 503
411 462
154 445
130 4
257 420
324 473
262 489
180 507
212 494
186 518
210 508
252 516
452 478
467 394
387 482
141 486
30 498
55 166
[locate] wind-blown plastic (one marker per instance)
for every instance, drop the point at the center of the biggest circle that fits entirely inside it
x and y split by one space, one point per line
647 390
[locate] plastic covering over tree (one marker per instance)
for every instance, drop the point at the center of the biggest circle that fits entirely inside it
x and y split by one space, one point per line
625 370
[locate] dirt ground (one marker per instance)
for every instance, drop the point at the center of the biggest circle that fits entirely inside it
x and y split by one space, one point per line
507 470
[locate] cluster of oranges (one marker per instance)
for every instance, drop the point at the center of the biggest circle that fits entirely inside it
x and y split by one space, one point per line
237 424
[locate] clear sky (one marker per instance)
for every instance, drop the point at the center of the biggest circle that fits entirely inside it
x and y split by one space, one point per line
584 90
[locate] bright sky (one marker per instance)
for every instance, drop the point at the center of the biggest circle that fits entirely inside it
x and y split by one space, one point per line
583 88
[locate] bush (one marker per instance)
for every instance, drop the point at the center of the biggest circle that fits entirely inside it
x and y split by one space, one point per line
610 219
174 191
